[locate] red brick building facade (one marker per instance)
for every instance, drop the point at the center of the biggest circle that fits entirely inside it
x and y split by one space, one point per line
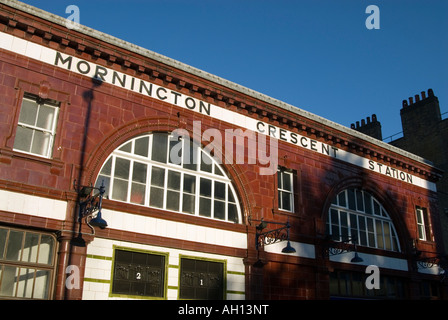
81 108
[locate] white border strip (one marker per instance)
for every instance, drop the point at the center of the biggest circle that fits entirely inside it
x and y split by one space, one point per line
32 205
174 230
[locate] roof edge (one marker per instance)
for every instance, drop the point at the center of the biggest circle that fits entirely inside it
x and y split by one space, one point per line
208 76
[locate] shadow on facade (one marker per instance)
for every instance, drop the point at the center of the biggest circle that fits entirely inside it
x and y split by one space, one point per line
288 277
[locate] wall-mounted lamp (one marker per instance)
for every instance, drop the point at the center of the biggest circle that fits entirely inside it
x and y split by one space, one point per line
263 238
89 202
332 248
439 260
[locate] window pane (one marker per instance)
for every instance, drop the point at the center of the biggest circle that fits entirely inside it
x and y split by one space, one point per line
189 183
106 182
379 234
220 190
46 117
3 235
190 155
354 227
46 249
159 147
30 247
142 146
421 232
387 238
127 147
106 170
351 199
188 203
139 172
138 193
42 284
230 196
156 197
205 207
206 187
23 139
122 167
28 112
359 201
218 171
334 283
25 283
232 213
376 208
287 181
175 150
341 199
368 203
41 143
206 163
357 284
14 249
174 180
219 210
344 225
8 284
158 177
419 216
362 232
286 201
120 190
172 200
345 283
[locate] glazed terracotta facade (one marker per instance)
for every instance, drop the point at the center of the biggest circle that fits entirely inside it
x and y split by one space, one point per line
109 92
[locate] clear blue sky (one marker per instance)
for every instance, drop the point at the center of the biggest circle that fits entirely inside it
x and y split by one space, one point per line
317 55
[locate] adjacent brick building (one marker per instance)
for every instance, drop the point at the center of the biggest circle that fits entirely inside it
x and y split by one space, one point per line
425 134
83 109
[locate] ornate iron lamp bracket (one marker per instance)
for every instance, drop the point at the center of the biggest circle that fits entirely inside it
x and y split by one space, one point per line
332 248
89 204
263 238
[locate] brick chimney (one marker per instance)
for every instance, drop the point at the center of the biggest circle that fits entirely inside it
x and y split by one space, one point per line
370 127
420 113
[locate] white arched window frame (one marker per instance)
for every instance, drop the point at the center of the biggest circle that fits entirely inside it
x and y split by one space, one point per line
356 214
167 172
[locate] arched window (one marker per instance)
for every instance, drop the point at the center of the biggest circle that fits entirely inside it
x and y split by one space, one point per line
168 172
356 214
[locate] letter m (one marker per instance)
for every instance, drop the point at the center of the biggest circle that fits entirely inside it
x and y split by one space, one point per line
59 58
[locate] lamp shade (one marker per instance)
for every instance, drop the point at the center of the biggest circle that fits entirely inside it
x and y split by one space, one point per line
356 258
288 248
98 221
